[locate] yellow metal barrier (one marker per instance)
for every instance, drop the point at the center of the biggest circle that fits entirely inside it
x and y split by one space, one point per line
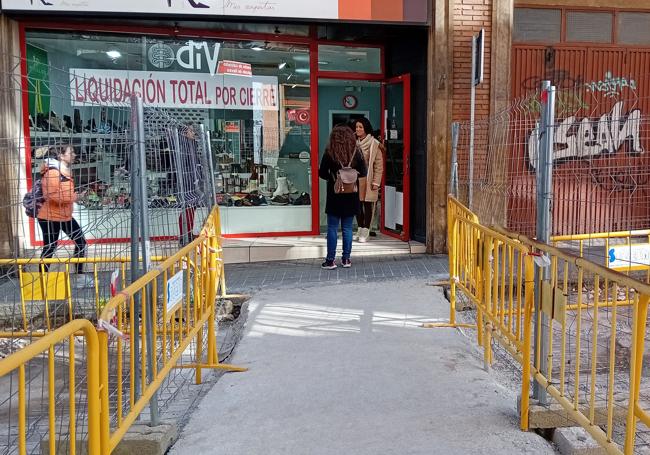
168 316
455 211
19 362
177 299
592 312
47 287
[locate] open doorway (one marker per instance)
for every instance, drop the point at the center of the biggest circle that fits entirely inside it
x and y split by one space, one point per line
341 102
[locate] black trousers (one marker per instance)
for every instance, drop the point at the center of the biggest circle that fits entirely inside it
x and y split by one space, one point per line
52 230
364 218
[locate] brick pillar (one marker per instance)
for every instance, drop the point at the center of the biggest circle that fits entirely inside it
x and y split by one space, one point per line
469 17
11 137
439 118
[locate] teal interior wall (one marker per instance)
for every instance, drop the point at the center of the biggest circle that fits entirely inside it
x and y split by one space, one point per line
330 98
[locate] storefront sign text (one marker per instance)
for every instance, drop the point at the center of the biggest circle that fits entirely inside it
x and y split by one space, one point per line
236 68
174 90
399 10
195 55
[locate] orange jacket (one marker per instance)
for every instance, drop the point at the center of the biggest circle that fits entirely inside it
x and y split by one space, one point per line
59 196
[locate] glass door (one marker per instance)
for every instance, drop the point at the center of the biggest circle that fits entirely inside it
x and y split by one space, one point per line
397 140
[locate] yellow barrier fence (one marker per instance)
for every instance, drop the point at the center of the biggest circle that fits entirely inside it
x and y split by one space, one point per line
35 420
177 301
163 321
596 326
41 292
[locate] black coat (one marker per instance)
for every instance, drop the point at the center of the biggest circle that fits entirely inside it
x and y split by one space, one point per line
341 205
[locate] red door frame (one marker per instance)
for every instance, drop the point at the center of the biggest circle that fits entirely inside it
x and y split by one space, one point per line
406 164
173 31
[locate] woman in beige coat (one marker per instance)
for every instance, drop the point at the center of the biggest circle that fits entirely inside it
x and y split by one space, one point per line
373 153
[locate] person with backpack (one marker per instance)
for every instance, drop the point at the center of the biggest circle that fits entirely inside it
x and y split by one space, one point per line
344 169
373 154
55 212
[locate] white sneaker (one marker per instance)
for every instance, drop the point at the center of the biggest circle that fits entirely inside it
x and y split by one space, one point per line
84 280
363 235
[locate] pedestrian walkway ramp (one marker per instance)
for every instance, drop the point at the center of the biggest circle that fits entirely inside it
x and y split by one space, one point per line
347 368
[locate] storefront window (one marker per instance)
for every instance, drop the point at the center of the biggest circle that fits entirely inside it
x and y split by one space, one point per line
365 60
252 96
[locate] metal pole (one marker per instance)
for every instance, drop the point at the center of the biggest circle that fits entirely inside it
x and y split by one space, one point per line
177 156
544 197
212 194
134 165
472 102
453 183
146 248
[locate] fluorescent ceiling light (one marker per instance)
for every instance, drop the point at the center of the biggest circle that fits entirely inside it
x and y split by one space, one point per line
114 54
282 65
323 62
257 48
302 70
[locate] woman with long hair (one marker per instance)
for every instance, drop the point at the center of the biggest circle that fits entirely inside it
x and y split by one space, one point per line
341 208
373 154
55 215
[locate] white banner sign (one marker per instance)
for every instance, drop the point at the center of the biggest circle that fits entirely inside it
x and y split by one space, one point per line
174 290
174 90
627 257
322 9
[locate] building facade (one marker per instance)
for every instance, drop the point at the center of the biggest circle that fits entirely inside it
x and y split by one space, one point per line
268 80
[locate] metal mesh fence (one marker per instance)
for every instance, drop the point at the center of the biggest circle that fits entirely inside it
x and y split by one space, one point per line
81 154
599 209
600 168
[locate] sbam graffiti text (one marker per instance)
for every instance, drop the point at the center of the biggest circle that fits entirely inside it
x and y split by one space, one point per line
576 138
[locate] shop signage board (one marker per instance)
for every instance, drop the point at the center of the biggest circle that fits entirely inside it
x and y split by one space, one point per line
235 68
174 89
415 11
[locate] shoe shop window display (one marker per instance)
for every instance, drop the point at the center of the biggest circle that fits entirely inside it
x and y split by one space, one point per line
373 155
341 159
54 206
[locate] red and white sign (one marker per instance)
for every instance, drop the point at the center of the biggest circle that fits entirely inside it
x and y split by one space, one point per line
174 90
236 68
232 126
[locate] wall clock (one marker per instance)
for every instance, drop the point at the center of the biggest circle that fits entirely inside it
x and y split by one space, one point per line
350 101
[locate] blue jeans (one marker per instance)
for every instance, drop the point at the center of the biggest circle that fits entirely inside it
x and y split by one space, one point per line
332 235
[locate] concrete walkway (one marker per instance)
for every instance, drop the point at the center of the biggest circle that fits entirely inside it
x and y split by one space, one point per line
347 369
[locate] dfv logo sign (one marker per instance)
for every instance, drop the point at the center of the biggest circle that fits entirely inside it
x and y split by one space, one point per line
161 56
193 56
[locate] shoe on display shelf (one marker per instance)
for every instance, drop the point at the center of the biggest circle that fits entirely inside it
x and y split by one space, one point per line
224 199
303 199
280 200
282 188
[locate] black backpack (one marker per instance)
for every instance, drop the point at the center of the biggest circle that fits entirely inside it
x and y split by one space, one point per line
34 199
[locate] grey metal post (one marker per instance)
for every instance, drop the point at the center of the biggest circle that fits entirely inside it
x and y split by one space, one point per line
207 148
180 176
544 177
472 108
453 182
146 248
134 164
